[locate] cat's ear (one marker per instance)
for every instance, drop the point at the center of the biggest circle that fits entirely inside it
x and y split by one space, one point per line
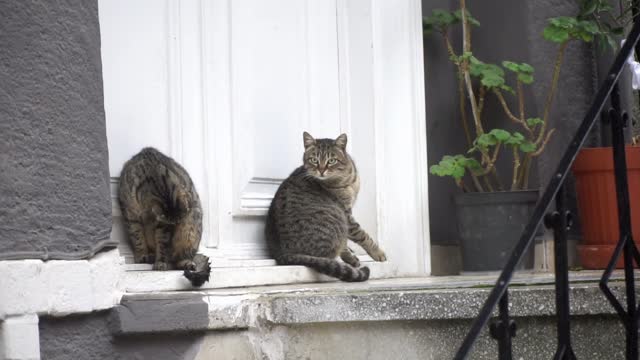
308 140
341 141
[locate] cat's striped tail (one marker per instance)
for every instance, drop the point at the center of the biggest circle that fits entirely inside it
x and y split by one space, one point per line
202 271
331 267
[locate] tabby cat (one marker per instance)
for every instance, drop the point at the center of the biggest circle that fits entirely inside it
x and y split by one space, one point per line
163 215
310 220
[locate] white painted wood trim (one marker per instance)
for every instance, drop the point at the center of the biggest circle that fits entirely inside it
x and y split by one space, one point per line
400 134
217 90
382 86
174 70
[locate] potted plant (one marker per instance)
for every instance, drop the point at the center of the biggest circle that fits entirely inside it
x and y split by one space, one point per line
594 171
491 214
597 203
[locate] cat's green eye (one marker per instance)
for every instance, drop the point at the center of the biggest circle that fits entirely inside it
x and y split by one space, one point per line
332 161
314 161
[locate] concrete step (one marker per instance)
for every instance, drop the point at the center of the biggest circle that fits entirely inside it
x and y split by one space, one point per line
414 318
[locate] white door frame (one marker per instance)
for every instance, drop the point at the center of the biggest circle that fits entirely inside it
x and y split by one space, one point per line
387 91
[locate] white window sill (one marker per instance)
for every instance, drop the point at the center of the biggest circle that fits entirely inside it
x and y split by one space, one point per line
139 278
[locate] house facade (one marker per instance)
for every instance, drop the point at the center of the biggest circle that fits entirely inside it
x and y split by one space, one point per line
224 87
227 88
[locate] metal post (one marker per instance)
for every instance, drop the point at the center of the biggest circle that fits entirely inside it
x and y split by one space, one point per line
559 221
503 329
624 221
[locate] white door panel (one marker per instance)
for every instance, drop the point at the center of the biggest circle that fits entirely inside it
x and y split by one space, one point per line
227 87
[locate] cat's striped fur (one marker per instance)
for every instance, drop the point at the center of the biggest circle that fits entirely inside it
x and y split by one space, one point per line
310 220
163 215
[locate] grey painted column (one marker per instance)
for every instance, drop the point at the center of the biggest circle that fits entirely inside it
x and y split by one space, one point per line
54 187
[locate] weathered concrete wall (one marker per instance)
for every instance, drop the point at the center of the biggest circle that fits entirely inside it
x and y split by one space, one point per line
88 337
55 200
509 30
394 320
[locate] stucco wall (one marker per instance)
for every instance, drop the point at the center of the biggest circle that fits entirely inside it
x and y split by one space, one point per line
55 200
88 337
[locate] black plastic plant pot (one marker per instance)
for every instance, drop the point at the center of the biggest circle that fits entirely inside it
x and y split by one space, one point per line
490 224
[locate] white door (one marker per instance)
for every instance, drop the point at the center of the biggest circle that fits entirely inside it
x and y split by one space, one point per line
227 88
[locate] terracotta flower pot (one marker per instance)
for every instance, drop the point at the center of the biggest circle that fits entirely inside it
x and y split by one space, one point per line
597 204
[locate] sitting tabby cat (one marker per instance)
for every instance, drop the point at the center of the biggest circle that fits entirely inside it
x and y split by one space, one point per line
309 220
163 215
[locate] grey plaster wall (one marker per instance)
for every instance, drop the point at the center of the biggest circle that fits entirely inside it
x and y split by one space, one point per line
54 186
510 30
439 340
87 337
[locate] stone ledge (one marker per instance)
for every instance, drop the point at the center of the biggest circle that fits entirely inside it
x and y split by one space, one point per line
140 279
382 300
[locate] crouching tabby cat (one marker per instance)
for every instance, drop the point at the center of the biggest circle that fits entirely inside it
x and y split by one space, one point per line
163 215
309 220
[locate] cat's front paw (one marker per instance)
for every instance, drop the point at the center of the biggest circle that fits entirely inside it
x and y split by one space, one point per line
160 266
378 255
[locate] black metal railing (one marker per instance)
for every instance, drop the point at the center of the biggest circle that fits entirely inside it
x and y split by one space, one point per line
503 327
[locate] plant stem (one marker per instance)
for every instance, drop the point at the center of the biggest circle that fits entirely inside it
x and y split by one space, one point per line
544 144
476 182
481 96
525 170
463 108
552 91
516 167
461 99
520 99
509 114
525 184
466 48
494 172
488 183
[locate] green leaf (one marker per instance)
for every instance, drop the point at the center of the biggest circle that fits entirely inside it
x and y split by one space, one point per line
526 68
486 140
527 147
510 65
492 80
454 166
507 88
500 135
491 75
439 20
588 7
532 122
556 34
472 164
515 139
458 172
473 21
525 78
